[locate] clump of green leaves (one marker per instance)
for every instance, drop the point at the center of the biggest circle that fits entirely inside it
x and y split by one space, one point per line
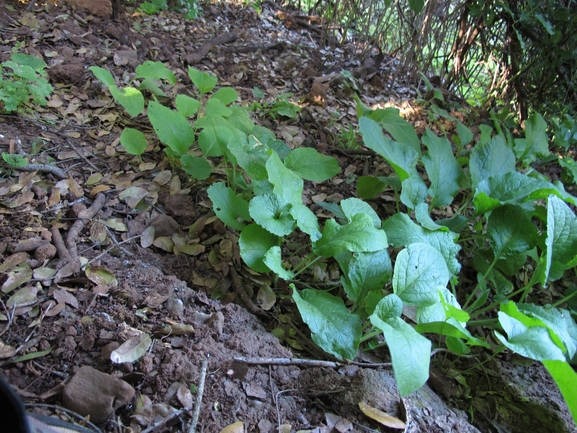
190 8
23 78
153 7
512 219
279 107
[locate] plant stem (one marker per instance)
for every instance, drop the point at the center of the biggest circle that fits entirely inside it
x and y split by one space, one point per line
489 323
482 280
316 259
565 299
370 335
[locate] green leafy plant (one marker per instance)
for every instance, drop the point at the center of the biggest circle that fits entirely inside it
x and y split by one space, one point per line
23 78
510 219
501 207
280 106
348 138
153 7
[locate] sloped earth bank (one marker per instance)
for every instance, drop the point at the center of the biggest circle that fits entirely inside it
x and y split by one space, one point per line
79 321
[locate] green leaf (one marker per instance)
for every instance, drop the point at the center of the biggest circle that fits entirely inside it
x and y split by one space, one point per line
410 351
171 127
38 65
133 141
359 235
441 311
518 188
286 183
464 133
214 107
559 322
152 87
419 269
32 355
240 119
566 379
561 242
273 260
402 157
482 260
230 208
417 5
414 190
257 93
401 130
536 143
103 75
451 330
156 71
14 160
510 231
532 342
311 165
272 213
186 105
251 155
490 160
254 242
21 71
195 167
389 307
334 329
402 232
226 95
204 81
130 98
364 273
306 221
444 171
369 187
352 206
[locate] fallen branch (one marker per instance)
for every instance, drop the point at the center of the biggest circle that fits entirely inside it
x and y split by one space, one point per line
83 216
44 168
317 362
199 393
196 57
69 263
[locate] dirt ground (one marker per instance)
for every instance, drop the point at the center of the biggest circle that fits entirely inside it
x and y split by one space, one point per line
189 304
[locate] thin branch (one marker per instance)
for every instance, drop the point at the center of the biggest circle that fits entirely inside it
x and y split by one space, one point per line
307 362
199 393
44 168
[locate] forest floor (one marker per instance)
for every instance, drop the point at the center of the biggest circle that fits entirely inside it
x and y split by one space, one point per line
190 304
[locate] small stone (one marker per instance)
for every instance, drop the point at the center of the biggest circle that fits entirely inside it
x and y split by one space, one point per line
44 252
95 394
175 307
216 322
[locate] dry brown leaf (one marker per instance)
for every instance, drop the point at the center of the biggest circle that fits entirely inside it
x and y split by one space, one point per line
237 427
381 417
54 197
147 237
99 188
265 298
63 296
13 261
